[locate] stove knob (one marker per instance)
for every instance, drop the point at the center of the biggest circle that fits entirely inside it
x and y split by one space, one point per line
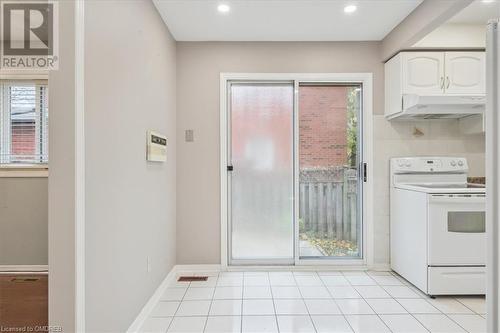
453 163
460 163
408 164
400 163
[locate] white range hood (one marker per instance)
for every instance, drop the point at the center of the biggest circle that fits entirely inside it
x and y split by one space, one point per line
439 107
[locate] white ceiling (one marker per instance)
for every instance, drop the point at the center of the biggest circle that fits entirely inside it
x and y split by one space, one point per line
283 20
478 12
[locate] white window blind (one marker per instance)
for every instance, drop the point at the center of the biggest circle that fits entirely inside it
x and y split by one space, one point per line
24 121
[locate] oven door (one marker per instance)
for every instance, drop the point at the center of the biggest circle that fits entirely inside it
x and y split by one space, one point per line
456 227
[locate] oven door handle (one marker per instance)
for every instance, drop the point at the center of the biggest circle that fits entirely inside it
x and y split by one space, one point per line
458 200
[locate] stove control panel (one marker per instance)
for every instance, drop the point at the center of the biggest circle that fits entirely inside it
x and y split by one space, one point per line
429 165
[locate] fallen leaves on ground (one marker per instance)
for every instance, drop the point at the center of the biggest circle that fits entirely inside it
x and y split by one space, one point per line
333 247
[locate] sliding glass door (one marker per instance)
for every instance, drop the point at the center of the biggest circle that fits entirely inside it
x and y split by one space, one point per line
261 179
329 156
295 172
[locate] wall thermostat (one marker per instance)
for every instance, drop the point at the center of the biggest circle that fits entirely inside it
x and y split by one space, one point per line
156 147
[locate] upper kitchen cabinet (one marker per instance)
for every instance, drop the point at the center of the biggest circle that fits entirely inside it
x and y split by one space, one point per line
465 73
438 73
422 72
430 85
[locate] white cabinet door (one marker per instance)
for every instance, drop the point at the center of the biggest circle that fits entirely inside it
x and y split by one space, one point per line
423 73
465 73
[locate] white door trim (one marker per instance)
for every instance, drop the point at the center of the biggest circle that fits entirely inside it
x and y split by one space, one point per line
492 174
79 166
223 171
367 80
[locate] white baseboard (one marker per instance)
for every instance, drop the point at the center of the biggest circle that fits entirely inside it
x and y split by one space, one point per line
298 268
197 268
150 304
380 267
217 268
24 268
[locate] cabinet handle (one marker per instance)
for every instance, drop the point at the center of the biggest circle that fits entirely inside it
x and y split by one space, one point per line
447 82
441 82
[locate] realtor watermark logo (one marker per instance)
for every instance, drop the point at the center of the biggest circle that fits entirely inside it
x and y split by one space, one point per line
29 35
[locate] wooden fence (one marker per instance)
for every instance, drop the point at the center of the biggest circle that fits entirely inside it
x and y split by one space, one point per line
328 203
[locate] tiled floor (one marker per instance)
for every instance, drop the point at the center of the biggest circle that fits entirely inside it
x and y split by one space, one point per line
310 302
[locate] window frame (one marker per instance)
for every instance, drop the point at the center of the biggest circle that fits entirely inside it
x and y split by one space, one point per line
25 169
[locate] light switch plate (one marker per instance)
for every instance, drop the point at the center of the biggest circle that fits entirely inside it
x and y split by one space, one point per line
156 150
189 135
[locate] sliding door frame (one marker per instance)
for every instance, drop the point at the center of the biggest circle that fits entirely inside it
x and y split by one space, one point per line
229 176
365 80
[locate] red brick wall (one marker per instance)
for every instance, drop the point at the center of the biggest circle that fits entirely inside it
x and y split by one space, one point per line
322 125
23 139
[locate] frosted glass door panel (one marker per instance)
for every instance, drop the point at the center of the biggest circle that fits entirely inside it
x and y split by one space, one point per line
261 152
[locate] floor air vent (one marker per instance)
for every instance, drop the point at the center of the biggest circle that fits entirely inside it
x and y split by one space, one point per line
24 280
192 278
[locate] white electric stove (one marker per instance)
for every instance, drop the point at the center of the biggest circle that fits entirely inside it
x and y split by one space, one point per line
438 239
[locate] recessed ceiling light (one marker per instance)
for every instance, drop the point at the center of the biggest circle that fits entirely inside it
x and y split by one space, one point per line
350 9
487 1
223 8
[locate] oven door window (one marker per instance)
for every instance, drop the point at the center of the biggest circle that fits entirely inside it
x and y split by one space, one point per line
466 222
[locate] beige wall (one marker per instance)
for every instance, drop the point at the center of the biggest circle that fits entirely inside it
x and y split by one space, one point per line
454 35
199 68
23 221
130 204
130 73
62 177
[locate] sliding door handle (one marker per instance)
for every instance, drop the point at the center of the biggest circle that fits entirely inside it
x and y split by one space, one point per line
230 168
